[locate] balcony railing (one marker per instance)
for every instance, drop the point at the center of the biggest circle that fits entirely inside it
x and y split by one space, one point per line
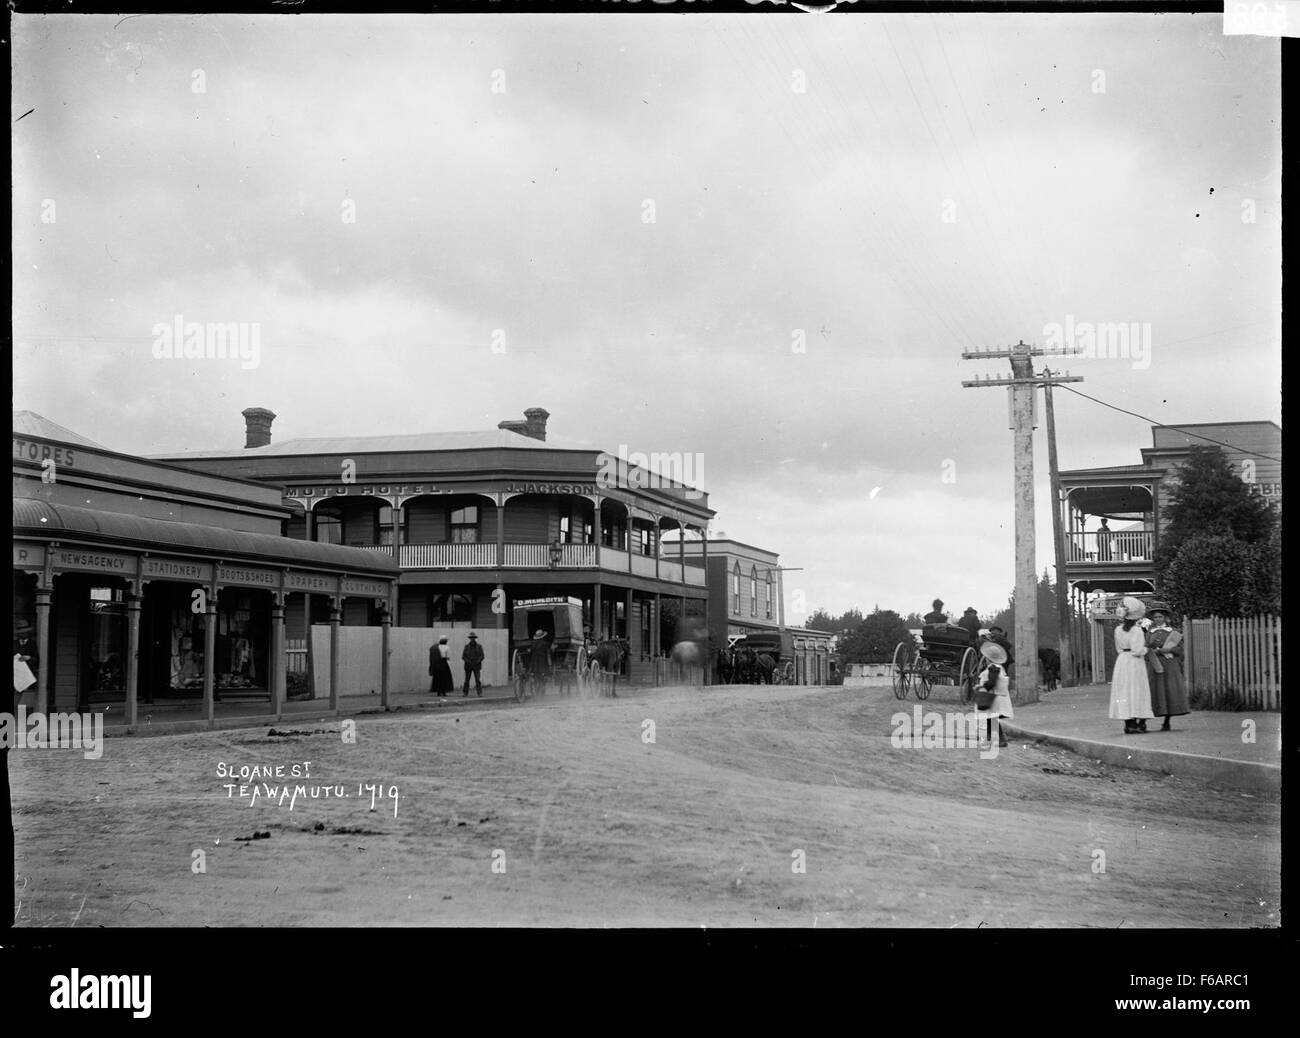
1115 546
483 555
447 556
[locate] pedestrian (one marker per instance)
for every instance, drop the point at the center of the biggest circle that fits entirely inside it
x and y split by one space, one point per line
1130 692
25 651
539 661
1165 666
440 668
971 621
472 657
936 615
993 679
1104 538
998 636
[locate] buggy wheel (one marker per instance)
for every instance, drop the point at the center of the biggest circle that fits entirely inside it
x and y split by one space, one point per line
595 679
517 677
584 662
787 673
968 673
921 679
900 672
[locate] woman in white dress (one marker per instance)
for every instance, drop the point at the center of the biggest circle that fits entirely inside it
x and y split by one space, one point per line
993 678
1130 691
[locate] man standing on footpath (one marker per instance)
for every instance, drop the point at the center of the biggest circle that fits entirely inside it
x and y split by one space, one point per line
472 657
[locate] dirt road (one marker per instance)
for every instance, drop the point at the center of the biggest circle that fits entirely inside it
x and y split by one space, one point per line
561 813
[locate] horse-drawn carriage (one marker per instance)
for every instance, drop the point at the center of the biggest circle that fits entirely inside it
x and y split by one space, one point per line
551 649
947 655
758 658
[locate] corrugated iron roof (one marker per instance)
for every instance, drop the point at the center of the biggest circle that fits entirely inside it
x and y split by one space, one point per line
32 515
29 423
432 441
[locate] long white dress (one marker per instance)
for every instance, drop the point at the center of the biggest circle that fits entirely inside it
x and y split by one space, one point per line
1130 692
1001 705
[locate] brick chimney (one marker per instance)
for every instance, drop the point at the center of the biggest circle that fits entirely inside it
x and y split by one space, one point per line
257 426
533 425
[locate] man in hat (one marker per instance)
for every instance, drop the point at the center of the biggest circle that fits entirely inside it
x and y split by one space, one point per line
26 651
539 661
936 614
472 657
971 622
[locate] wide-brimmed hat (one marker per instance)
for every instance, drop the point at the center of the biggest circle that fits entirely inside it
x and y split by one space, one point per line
994 653
442 640
995 627
1158 607
22 626
473 635
539 634
1131 609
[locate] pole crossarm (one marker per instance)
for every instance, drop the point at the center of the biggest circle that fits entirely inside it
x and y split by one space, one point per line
1021 350
1036 380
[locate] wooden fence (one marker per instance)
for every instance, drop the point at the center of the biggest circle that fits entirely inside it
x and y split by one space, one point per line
1235 663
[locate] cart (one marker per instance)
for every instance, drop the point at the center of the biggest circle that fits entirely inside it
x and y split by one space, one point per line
560 621
946 656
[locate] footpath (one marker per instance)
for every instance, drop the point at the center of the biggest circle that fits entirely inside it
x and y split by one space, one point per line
1242 749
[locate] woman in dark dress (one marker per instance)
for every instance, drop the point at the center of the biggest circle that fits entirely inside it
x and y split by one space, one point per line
1165 666
440 668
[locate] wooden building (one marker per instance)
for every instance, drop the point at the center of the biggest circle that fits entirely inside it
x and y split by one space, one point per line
474 521
145 581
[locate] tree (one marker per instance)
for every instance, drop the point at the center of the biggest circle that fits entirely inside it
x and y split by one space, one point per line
1205 577
1210 499
914 620
820 620
875 638
1261 583
1049 624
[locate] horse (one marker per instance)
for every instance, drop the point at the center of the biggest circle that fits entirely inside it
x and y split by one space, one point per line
764 666
1049 661
723 667
610 655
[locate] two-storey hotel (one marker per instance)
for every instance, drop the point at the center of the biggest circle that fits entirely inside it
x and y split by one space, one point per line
1113 517
475 521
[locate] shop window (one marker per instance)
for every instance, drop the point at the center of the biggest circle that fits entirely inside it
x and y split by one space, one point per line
105 659
243 634
463 524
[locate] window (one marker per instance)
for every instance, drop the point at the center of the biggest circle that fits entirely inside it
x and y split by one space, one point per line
329 525
612 534
647 542
753 591
735 589
386 525
464 525
768 599
574 530
450 609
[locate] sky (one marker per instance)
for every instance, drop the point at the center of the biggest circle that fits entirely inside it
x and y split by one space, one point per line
764 240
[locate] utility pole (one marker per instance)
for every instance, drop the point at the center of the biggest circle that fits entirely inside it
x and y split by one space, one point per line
1065 639
1022 384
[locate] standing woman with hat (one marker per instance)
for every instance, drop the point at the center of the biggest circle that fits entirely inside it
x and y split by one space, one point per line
1130 691
1165 666
993 681
440 668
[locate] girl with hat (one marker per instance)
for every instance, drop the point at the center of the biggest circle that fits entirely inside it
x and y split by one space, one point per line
1130 692
1164 666
993 678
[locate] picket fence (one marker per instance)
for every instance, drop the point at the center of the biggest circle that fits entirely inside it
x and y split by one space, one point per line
1235 662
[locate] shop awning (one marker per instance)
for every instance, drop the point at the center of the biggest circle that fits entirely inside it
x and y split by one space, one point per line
62 522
